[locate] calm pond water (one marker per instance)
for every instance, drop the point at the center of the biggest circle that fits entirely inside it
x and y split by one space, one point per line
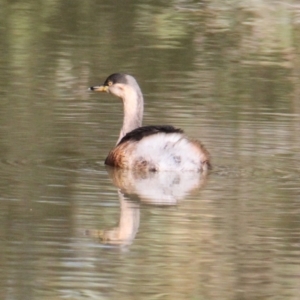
228 74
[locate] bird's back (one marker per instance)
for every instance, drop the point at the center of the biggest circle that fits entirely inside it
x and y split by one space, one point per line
158 148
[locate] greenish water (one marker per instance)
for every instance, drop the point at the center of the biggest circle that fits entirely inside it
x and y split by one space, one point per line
227 73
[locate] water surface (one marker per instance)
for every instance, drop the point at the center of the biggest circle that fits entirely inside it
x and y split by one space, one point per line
228 74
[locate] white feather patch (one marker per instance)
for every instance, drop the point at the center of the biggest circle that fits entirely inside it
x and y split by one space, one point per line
167 152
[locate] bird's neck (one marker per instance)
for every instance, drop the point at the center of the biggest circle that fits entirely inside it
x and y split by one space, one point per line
133 105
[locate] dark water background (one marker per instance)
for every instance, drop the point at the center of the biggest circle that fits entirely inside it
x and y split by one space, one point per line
227 73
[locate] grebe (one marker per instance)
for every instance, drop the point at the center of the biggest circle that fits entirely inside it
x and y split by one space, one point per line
149 148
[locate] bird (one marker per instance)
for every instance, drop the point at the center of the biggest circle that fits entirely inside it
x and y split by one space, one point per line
153 148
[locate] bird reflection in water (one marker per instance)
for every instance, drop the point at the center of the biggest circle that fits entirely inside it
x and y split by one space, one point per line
151 188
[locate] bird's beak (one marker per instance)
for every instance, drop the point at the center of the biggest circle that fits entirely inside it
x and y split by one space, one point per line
101 88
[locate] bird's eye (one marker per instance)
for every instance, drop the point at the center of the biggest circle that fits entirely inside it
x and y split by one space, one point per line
109 83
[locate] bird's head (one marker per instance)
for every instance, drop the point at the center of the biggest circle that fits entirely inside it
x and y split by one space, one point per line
120 85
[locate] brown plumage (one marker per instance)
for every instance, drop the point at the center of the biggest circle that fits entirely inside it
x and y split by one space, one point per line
149 148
